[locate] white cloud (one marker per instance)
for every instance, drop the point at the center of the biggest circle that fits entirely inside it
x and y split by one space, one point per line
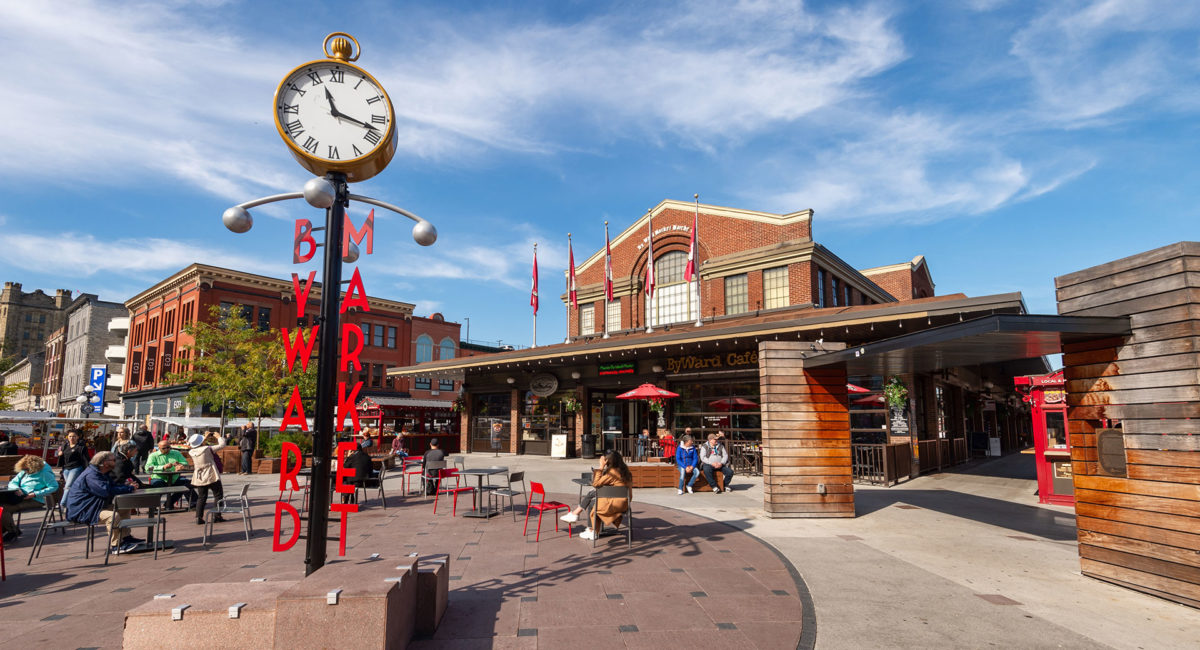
1089 60
89 256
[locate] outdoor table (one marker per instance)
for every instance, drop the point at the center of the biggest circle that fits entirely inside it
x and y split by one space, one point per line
583 481
148 545
482 512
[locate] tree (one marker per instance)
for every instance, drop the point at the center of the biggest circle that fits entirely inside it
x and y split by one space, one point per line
232 362
6 363
7 390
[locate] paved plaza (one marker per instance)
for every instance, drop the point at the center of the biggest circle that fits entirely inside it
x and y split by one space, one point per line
952 560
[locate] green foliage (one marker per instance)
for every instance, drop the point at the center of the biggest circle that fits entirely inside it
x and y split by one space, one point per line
7 390
895 392
273 447
231 361
6 363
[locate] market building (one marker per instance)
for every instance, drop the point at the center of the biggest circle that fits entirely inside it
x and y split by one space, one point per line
790 359
392 337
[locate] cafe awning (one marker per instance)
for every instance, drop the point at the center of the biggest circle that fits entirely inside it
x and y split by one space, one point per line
1002 338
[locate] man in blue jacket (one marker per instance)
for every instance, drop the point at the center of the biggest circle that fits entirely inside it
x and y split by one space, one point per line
90 501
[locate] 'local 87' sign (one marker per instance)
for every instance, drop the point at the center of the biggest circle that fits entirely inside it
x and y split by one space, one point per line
96 382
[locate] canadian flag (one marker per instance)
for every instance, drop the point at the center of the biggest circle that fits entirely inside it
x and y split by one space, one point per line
608 282
650 257
533 296
571 276
690 271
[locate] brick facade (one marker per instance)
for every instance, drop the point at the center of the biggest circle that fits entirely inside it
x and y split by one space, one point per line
731 242
159 315
904 281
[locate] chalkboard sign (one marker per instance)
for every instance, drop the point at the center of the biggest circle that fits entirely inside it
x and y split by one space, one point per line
899 421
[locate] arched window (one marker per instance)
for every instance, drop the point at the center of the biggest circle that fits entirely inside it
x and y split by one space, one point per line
447 349
424 348
674 299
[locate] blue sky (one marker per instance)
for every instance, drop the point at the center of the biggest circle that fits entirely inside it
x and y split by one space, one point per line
1008 142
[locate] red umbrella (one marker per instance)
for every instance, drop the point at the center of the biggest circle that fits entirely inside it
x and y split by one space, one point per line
647 391
870 399
856 389
733 404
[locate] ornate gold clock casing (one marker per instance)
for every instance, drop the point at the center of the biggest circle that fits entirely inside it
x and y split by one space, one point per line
334 116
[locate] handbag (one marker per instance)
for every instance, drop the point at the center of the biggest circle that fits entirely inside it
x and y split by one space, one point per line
217 461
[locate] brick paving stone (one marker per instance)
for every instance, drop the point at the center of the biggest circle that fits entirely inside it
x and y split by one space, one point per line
559 586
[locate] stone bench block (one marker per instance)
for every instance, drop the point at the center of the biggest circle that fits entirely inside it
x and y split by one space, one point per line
433 592
374 608
205 621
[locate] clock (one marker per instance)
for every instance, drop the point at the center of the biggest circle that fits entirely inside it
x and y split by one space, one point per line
334 116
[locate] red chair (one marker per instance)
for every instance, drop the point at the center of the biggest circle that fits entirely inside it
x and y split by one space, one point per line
3 571
412 472
444 488
542 506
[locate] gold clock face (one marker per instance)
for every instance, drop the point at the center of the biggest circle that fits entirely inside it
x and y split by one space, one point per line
335 117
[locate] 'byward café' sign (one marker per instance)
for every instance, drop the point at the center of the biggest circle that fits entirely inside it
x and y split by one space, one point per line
717 361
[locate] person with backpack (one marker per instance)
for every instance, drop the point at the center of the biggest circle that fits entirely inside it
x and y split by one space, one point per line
714 458
207 473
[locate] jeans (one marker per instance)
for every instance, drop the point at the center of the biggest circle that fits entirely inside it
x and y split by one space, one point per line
69 476
641 448
202 497
174 498
691 481
710 476
247 456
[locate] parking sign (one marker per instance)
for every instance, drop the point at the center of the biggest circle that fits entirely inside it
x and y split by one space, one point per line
99 378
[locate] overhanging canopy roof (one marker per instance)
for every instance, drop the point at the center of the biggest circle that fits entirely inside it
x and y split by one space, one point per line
991 339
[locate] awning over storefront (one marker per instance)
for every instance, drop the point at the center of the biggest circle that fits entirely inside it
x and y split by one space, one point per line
397 402
1002 338
213 423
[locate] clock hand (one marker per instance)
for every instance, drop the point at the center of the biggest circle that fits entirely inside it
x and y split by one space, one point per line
333 109
358 122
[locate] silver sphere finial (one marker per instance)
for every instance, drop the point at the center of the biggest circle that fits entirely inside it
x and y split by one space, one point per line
238 219
319 193
424 233
350 255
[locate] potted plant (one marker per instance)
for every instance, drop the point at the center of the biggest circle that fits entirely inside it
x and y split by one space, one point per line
894 392
656 404
570 404
458 405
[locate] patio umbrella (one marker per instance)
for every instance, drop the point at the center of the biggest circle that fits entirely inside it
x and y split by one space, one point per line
647 391
856 389
733 404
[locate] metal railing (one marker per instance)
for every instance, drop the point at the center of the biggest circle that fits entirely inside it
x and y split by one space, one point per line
936 455
880 464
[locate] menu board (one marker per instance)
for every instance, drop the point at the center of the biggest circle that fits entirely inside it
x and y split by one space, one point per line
898 417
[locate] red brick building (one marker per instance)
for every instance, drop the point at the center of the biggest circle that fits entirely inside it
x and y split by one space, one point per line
748 262
392 335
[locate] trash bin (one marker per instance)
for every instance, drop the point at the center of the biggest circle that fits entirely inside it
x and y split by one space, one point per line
588 446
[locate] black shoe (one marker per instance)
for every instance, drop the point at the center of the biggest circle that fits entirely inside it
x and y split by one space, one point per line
10 536
199 522
130 539
218 518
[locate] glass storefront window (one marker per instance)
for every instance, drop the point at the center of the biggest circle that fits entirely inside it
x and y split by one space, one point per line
1056 429
730 406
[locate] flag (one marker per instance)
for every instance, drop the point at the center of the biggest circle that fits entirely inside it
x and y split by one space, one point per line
608 283
571 277
533 296
690 271
650 257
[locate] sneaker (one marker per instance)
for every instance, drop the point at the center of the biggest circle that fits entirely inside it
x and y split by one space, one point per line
678 491
130 539
570 517
716 490
690 490
124 548
587 534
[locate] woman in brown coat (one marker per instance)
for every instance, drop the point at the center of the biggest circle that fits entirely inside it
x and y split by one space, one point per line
613 471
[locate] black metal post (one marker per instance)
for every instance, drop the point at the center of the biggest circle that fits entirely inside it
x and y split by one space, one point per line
327 371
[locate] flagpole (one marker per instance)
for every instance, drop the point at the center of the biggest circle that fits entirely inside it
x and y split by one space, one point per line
607 271
571 270
696 261
535 283
650 271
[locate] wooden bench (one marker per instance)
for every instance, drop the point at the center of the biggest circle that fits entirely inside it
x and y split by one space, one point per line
662 475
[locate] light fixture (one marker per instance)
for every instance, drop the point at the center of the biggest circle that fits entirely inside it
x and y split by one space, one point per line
511 380
575 374
656 368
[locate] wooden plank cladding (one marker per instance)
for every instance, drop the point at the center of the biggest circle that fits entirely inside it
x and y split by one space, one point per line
1138 527
806 435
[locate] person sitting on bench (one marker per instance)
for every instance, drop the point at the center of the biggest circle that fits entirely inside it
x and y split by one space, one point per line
714 458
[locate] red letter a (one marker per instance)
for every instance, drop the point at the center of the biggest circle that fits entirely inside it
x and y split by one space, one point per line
297 407
355 286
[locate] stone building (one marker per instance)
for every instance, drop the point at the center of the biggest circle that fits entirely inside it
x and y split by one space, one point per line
27 371
52 370
27 319
85 342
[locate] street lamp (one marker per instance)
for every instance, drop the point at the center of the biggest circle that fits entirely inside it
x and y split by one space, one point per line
85 401
331 193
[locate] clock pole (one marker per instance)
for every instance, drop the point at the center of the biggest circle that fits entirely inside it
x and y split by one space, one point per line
327 369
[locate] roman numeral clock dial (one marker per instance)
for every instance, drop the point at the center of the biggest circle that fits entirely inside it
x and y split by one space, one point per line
335 117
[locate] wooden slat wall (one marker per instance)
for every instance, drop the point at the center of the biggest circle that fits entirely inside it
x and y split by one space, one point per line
806 435
1141 531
